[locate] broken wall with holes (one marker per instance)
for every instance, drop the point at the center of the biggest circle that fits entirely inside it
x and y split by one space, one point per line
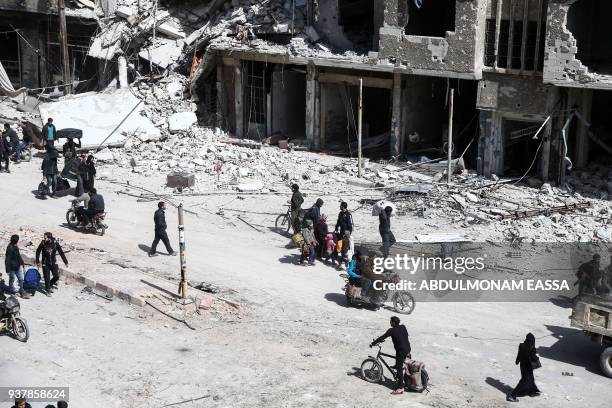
578 51
444 39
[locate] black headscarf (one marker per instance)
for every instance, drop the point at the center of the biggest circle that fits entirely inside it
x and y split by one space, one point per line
529 341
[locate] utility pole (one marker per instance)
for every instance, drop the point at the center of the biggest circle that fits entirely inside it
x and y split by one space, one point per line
450 135
181 228
63 39
359 129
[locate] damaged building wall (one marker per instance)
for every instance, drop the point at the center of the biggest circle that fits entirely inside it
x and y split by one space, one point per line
512 109
590 20
459 53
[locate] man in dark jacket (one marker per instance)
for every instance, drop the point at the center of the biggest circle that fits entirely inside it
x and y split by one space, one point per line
49 248
160 230
296 205
49 133
95 205
69 148
399 336
12 137
90 167
314 213
384 228
345 220
14 266
49 169
5 150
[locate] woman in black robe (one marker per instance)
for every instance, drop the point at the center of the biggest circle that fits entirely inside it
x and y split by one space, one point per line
526 357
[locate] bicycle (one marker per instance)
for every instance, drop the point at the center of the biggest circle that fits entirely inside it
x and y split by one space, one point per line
372 371
283 221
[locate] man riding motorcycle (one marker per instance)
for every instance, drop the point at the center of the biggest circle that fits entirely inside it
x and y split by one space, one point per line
354 273
96 206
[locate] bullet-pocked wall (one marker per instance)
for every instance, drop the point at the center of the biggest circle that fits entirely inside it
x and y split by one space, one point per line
578 52
432 39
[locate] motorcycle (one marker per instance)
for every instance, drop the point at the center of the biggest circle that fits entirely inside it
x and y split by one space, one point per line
75 217
403 301
10 320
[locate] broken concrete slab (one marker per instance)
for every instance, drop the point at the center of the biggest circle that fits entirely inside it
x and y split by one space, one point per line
180 180
99 114
164 53
250 186
181 121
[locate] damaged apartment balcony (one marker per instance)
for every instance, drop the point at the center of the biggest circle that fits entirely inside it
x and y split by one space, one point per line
430 37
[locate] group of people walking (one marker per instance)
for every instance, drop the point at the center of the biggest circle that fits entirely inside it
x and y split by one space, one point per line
317 240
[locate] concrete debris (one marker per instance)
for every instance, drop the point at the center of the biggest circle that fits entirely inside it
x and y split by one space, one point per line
104 155
180 180
181 121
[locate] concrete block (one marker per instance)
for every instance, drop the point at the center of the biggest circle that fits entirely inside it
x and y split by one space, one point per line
181 121
180 180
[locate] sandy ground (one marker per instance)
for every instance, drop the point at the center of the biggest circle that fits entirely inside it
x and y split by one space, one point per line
298 344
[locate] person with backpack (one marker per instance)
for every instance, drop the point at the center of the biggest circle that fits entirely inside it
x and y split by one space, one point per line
314 213
14 266
49 248
345 220
399 336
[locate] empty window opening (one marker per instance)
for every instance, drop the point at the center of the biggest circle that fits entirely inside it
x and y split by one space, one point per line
432 19
425 118
519 146
289 103
255 99
357 21
589 22
10 58
601 126
339 116
519 27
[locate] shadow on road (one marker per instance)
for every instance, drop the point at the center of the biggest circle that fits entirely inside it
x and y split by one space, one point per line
497 384
289 259
144 248
562 301
337 298
572 347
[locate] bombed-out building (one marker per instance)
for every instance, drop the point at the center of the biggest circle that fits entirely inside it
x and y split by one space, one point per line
30 44
531 78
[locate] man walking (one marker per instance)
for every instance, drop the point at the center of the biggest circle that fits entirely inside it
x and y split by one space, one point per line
160 230
13 139
345 220
14 266
49 248
399 336
49 133
49 169
296 205
384 228
5 150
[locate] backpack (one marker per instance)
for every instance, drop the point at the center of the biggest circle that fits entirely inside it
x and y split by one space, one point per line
43 190
62 184
31 280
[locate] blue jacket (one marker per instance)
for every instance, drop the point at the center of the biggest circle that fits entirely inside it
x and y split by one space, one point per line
352 270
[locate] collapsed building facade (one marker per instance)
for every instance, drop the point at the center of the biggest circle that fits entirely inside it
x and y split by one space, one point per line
531 79
30 43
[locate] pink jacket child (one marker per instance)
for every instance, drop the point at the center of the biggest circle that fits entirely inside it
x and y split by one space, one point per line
330 245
